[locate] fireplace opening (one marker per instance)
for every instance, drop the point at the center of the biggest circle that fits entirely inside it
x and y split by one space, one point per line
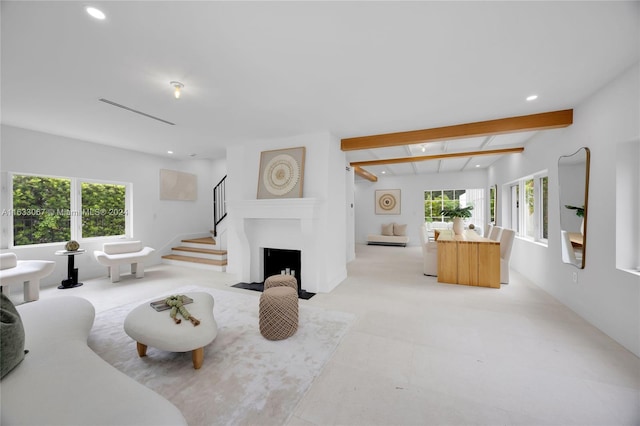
278 261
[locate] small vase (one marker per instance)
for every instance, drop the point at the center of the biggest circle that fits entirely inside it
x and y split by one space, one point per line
458 226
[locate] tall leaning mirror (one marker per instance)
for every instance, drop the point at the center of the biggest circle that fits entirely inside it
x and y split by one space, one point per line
573 180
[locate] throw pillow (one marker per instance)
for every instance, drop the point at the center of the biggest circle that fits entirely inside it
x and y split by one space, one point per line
11 336
387 230
399 230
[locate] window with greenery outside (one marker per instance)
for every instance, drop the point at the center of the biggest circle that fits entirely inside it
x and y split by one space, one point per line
40 210
103 210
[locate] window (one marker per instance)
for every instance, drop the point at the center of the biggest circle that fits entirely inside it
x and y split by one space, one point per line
103 209
40 206
53 209
532 220
493 203
436 201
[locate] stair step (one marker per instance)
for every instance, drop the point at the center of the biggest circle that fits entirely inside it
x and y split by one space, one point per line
205 240
195 260
200 250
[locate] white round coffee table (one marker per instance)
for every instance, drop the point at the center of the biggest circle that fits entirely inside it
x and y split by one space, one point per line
149 327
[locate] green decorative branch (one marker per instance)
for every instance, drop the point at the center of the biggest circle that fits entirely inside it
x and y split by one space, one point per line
176 303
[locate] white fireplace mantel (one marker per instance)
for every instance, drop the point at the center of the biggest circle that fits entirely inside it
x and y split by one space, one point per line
283 223
277 208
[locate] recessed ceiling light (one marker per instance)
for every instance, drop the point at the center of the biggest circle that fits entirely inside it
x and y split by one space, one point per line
384 172
96 13
532 97
477 165
169 152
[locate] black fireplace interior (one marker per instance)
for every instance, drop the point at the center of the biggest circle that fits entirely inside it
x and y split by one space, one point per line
278 260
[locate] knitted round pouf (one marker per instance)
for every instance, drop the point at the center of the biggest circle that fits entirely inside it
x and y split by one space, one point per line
281 280
278 313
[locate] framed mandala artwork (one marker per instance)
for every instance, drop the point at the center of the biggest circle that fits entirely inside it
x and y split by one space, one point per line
281 173
387 201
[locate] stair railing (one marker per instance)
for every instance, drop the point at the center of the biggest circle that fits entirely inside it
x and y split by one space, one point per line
219 204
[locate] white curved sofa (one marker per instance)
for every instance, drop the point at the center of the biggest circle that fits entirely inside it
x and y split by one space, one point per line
25 272
61 381
126 252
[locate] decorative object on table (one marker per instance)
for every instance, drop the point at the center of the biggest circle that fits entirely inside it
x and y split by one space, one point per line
457 213
177 305
72 246
161 305
387 201
281 173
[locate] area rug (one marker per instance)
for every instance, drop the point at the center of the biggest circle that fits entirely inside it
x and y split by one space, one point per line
245 379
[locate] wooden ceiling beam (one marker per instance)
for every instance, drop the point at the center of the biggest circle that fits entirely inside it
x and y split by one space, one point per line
524 123
365 174
358 164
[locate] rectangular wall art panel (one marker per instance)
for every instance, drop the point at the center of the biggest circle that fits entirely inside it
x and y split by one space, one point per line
178 186
281 173
387 201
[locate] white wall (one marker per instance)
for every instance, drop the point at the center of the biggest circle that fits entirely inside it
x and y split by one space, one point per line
324 180
411 200
605 296
628 205
155 222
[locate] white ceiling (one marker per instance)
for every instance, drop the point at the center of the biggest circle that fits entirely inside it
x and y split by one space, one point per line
256 70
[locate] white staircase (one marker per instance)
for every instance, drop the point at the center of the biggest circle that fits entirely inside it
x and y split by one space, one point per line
198 253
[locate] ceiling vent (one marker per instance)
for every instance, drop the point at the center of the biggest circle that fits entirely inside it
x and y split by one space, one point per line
115 104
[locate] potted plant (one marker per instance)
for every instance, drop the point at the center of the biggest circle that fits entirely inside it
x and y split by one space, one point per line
457 213
579 210
579 213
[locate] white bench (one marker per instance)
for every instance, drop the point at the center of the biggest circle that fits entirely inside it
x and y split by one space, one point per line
387 240
26 272
127 252
392 234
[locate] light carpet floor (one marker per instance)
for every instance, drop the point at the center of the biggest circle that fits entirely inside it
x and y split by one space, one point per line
245 379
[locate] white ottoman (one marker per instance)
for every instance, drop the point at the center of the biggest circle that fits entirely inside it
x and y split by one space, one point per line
149 327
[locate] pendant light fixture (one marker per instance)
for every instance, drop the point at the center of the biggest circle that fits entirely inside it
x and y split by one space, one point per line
177 86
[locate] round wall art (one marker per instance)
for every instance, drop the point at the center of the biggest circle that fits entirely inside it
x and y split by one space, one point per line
281 173
388 201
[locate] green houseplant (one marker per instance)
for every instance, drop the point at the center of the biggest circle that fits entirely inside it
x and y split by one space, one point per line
579 210
579 213
457 213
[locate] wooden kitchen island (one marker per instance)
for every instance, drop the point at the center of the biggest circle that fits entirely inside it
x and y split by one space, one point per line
468 259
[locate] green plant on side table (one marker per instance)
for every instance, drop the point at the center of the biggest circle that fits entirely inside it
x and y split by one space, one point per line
457 214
